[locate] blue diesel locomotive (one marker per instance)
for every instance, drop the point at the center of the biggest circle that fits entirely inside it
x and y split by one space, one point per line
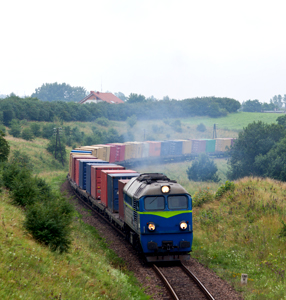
158 215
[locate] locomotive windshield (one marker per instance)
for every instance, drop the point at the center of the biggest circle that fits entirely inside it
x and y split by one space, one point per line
177 202
154 203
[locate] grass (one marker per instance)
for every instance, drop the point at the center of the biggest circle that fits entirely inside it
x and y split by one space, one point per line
240 234
228 126
177 171
43 162
30 271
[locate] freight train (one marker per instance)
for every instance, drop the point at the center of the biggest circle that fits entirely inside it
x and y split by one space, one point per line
131 153
152 211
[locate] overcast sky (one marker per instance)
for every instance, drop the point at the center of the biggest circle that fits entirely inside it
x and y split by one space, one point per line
179 48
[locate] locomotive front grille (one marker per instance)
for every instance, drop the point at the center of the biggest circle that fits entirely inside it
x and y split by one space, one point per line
167 245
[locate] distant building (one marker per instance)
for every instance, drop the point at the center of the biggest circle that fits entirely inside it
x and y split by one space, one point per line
96 97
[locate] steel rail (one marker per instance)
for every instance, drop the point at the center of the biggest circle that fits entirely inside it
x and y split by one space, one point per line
166 282
200 285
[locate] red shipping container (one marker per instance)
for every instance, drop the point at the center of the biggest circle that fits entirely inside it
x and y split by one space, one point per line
76 169
96 178
199 146
112 157
119 152
154 148
74 157
121 184
104 175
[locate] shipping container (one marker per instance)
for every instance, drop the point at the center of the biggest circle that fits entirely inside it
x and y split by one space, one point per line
104 153
138 148
176 148
112 157
223 144
210 145
128 151
187 147
112 188
165 148
121 184
145 149
82 170
73 162
95 178
104 174
73 154
88 174
154 149
198 146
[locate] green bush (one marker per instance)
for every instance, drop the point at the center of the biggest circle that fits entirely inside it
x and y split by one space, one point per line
201 197
15 128
10 171
102 121
176 125
24 188
4 148
228 186
132 120
3 128
203 169
49 223
27 134
201 127
36 129
282 232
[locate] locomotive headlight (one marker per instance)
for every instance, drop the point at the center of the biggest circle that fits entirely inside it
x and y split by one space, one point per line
151 226
165 189
183 225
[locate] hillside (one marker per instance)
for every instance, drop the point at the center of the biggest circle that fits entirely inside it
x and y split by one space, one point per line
243 232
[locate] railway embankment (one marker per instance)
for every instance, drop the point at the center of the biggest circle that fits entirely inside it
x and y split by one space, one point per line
29 270
243 231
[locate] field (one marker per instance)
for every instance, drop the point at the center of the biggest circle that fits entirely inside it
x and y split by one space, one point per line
242 232
228 126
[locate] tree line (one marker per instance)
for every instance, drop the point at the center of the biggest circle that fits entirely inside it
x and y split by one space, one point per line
32 109
260 150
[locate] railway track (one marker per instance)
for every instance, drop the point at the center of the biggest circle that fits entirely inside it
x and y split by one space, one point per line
178 279
182 283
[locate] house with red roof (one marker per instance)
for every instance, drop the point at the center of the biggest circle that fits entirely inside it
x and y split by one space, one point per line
96 97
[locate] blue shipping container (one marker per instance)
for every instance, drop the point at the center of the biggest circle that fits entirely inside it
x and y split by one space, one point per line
81 151
88 174
82 170
112 188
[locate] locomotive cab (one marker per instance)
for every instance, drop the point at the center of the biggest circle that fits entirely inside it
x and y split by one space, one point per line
159 211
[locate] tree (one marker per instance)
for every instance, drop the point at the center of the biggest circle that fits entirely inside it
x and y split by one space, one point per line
273 163
15 128
59 92
252 106
132 120
4 148
203 169
8 115
120 96
201 127
135 98
27 134
256 139
36 129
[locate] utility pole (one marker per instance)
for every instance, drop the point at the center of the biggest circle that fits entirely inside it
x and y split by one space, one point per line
214 131
57 132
